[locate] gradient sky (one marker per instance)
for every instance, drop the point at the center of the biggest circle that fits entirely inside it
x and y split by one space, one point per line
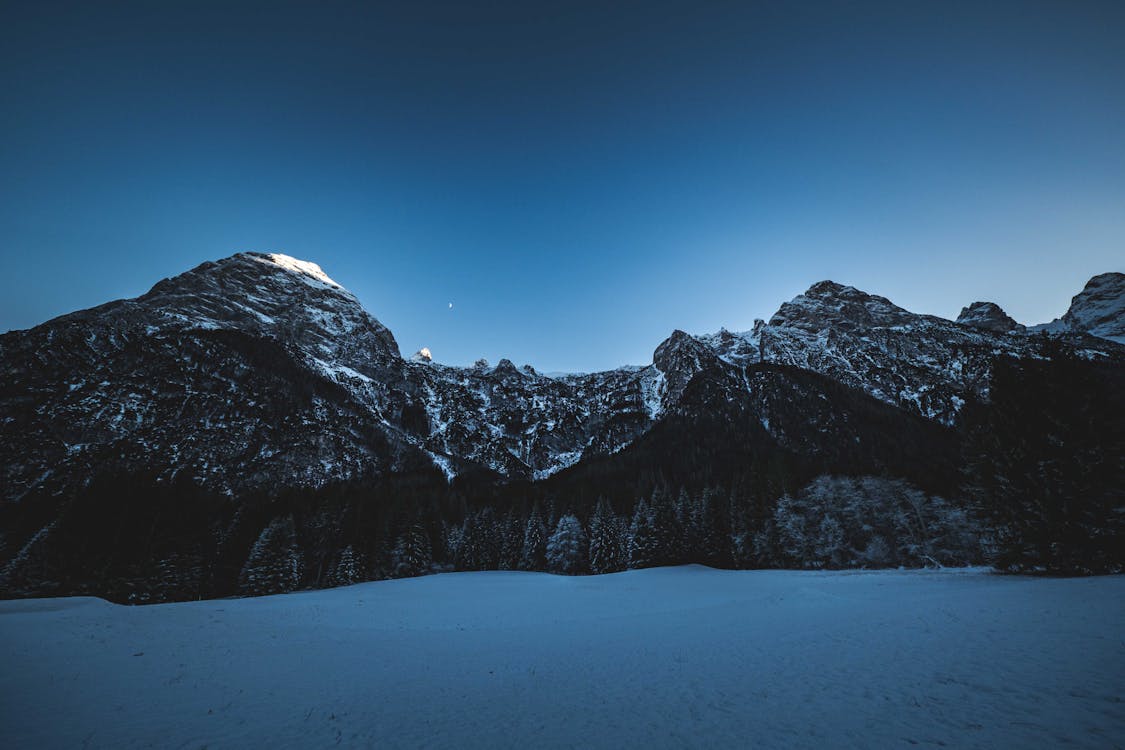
577 179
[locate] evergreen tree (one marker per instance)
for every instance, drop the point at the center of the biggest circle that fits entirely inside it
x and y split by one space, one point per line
347 570
741 540
452 536
487 539
511 542
479 548
534 553
710 531
413 555
606 543
177 577
469 555
643 549
275 564
685 507
566 549
667 532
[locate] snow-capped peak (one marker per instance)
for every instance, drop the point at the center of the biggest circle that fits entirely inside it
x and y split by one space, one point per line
309 272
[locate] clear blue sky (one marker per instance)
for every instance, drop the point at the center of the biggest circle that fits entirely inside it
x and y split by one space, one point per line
577 178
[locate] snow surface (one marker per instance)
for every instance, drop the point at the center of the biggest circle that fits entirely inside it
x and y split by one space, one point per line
672 657
308 272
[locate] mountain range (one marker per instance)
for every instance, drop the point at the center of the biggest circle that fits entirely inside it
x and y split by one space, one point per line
259 370
258 374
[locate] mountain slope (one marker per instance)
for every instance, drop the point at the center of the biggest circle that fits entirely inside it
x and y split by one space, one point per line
1099 310
151 445
242 372
921 363
259 370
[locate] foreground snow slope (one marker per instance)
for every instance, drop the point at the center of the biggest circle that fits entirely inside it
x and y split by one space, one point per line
675 657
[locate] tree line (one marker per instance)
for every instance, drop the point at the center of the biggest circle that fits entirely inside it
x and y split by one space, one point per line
834 522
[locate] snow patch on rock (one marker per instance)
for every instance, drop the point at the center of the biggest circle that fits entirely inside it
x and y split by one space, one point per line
309 272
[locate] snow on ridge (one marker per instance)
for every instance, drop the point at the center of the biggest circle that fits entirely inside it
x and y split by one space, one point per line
307 271
445 464
562 461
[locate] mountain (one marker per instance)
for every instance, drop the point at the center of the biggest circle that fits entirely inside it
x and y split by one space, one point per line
254 369
921 363
1098 310
183 417
259 370
989 316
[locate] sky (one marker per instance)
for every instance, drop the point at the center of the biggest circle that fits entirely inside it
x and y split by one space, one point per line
577 179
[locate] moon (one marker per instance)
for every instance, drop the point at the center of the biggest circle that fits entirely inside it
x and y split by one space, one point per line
450 305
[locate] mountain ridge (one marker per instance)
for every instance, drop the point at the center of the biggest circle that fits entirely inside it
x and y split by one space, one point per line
248 427
181 376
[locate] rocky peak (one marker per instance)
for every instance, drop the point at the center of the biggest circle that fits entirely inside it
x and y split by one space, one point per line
505 367
1099 309
735 347
678 349
829 304
679 358
988 316
281 298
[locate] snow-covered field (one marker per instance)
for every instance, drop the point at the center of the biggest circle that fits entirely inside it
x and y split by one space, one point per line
674 657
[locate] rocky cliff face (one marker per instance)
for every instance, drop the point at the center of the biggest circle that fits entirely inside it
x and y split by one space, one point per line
1098 310
261 371
251 370
989 317
921 363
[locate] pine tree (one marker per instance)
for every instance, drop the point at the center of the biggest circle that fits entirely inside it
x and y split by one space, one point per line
412 555
711 531
534 553
275 564
478 549
606 543
176 577
511 541
566 549
347 570
687 519
685 507
667 532
487 536
452 536
741 540
643 549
